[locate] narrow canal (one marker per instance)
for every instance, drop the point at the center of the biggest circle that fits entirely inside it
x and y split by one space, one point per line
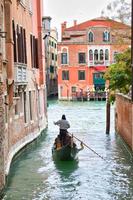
34 175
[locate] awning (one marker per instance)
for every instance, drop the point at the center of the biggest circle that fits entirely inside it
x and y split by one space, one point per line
100 68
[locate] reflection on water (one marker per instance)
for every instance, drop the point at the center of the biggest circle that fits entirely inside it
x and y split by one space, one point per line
35 176
66 168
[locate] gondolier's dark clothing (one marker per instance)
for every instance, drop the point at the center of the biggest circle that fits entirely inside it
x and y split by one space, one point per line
64 125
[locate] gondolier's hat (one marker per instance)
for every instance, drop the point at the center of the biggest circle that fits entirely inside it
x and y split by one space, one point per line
63 117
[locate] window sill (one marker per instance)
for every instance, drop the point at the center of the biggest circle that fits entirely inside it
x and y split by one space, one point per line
82 63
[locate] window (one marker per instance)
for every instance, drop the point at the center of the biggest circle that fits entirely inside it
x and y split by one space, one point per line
14 42
51 69
39 102
63 58
25 110
55 57
106 36
81 75
81 57
91 37
34 51
30 104
17 104
101 54
115 56
6 109
106 54
73 89
52 56
65 75
90 55
96 54
19 44
97 75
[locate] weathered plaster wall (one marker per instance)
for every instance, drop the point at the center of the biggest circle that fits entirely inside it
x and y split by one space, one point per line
124 118
2 136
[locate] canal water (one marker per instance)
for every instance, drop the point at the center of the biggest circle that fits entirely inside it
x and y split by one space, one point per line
35 176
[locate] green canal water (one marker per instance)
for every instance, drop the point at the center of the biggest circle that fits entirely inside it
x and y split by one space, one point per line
35 176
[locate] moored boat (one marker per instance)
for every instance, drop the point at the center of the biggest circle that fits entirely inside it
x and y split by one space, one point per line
67 151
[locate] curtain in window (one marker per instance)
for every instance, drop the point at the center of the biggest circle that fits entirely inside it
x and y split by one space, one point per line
96 54
106 36
63 58
90 55
101 54
91 37
81 57
106 54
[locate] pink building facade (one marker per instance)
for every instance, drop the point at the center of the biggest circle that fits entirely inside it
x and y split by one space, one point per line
85 52
23 89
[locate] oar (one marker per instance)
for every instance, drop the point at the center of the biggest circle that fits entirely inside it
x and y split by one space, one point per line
88 147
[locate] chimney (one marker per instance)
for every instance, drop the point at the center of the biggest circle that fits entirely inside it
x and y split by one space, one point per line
63 27
75 22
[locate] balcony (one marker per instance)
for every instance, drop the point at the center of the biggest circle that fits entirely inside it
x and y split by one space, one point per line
99 63
20 73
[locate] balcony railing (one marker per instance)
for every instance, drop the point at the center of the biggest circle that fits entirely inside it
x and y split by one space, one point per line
99 62
20 74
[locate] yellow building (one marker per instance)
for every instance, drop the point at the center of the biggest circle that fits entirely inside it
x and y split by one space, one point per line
50 41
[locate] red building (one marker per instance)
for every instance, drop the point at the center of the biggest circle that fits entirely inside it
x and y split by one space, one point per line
23 113
85 52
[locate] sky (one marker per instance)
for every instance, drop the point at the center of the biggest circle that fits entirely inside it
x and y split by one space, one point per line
70 10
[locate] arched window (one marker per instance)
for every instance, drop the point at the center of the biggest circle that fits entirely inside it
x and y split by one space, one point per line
64 56
106 54
96 54
90 54
106 36
101 54
91 37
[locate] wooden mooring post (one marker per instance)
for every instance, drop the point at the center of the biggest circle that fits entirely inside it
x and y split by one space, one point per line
107 114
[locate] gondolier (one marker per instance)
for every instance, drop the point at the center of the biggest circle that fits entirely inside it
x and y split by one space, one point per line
63 125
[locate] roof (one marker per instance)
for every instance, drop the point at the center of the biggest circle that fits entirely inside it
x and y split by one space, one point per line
100 21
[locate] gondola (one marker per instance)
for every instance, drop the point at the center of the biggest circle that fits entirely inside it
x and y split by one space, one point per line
67 151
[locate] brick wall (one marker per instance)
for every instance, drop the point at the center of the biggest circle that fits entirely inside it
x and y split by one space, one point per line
124 118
